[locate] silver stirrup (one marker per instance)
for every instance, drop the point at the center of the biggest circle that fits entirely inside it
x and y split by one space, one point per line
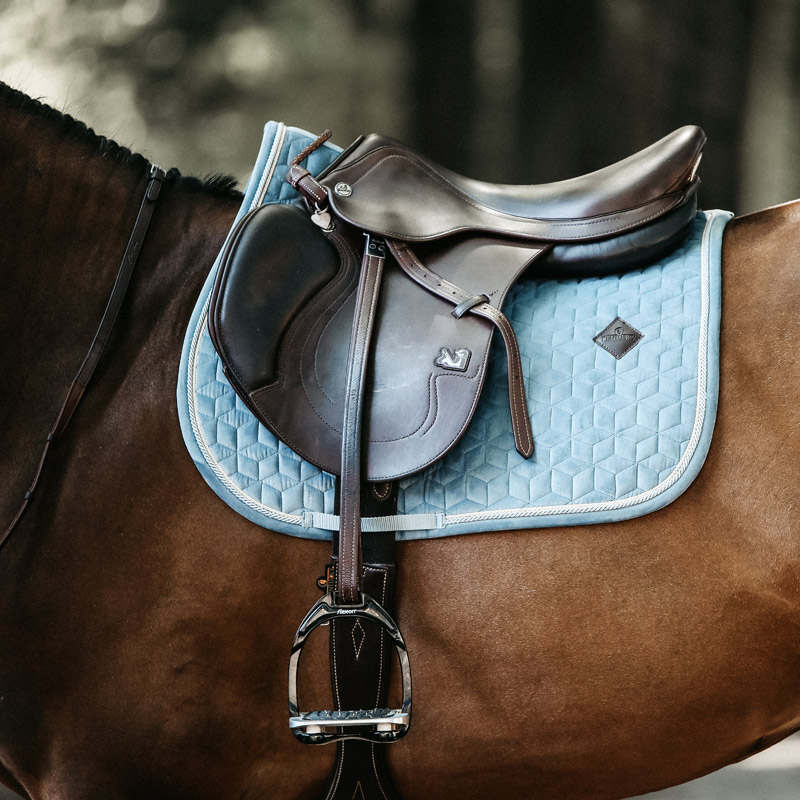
372 725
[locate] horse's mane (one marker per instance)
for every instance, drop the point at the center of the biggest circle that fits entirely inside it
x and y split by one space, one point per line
73 129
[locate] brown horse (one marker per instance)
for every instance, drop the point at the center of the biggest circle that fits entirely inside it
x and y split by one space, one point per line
145 627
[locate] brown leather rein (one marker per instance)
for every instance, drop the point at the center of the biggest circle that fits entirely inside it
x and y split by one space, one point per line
81 380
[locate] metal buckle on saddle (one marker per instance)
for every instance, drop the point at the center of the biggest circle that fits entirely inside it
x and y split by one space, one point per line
373 725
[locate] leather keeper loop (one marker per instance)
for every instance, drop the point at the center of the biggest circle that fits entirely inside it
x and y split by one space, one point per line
301 179
469 304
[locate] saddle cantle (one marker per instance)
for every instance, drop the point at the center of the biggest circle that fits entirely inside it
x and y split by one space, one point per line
362 329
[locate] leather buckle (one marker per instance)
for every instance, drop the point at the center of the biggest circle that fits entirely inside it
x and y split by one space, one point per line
372 725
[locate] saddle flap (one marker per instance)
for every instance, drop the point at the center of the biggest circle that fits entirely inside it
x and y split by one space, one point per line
281 317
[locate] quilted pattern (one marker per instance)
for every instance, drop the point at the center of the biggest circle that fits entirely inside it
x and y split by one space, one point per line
253 458
603 429
607 432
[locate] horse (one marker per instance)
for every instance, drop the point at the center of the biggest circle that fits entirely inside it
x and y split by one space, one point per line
145 626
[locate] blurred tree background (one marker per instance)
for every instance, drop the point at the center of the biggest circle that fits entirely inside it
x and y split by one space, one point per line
505 90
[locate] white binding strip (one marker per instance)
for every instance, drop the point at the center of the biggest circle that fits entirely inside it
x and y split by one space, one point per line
398 522
269 167
433 521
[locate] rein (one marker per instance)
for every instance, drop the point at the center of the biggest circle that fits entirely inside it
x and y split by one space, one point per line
92 358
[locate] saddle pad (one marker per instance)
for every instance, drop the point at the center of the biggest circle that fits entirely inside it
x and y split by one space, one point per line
622 424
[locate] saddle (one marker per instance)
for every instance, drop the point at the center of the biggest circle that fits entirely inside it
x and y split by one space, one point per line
358 328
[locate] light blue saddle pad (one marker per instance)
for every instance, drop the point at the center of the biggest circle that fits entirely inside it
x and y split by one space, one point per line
615 438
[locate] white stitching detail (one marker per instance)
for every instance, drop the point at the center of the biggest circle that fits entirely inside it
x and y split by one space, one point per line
358 790
380 662
357 647
339 765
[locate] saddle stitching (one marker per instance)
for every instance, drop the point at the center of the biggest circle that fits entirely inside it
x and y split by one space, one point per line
380 633
380 679
340 764
375 771
357 647
335 662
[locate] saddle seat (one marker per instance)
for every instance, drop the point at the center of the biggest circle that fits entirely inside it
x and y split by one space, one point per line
613 219
659 169
395 192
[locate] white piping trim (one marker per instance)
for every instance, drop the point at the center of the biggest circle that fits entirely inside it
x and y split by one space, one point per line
400 521
269 167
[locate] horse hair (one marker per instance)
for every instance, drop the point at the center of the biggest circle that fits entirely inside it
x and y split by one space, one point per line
69 127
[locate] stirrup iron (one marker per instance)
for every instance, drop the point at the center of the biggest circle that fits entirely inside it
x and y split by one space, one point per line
372 725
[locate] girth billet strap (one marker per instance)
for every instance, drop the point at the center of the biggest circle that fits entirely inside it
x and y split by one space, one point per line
92 358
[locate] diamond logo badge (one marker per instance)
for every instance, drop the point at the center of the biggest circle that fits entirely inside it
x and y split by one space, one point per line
618 338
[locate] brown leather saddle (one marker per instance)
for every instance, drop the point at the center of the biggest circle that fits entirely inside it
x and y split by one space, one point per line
358 328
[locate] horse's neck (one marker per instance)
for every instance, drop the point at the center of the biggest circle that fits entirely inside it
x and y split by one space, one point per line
66 212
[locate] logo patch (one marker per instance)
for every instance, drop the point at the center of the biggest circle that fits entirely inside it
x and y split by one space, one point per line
618 338
455 360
